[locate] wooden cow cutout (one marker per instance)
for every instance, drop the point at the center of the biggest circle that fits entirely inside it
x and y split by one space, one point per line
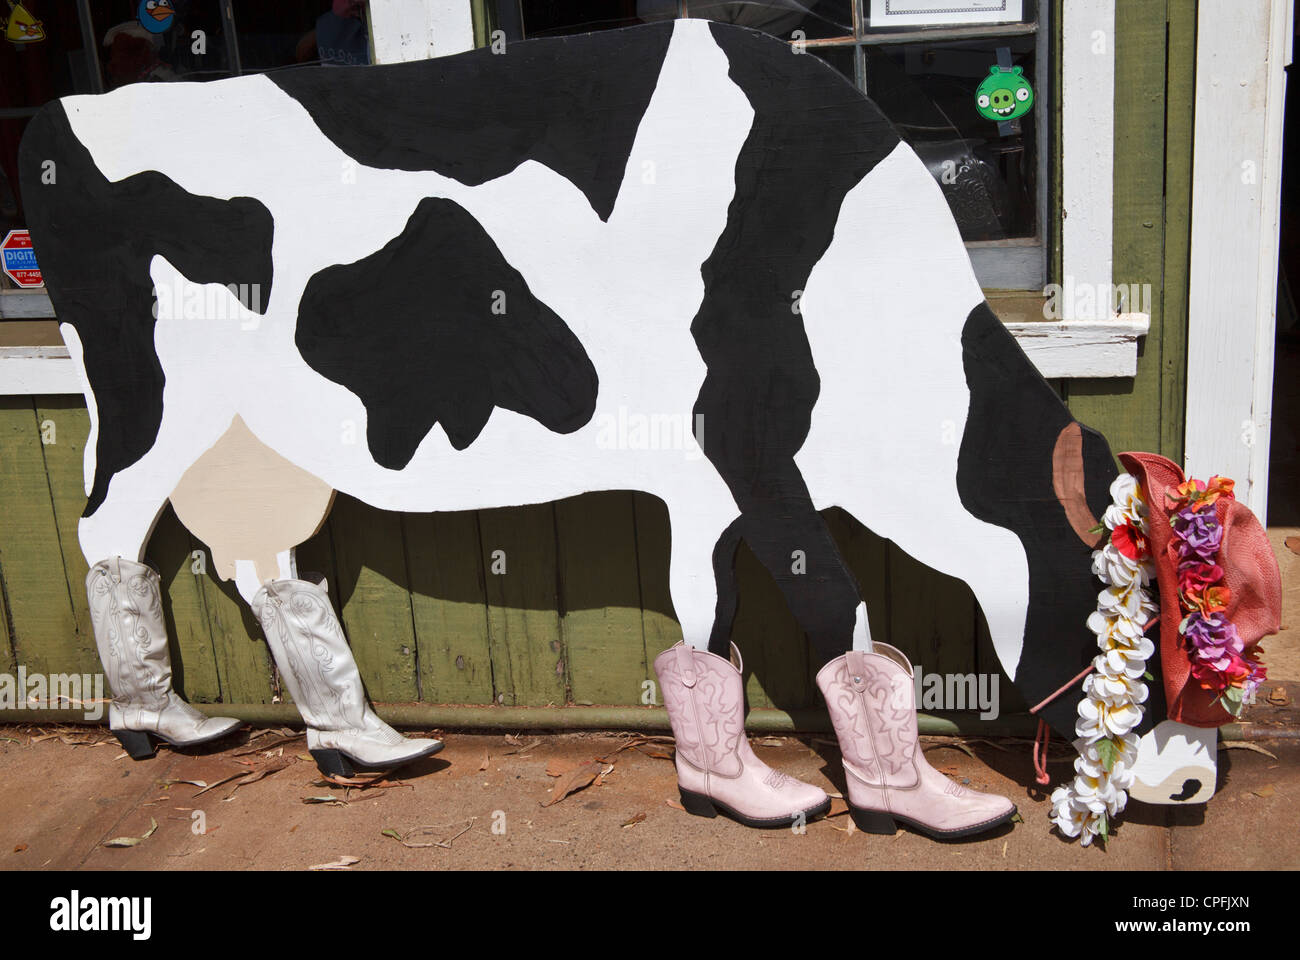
428 285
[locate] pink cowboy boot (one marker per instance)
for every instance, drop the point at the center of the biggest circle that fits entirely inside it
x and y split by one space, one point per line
872 705
716 767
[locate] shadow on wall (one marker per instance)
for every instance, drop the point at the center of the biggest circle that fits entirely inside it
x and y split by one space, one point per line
548 604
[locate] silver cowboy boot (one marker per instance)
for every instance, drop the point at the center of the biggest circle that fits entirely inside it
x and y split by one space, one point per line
127 617
343 733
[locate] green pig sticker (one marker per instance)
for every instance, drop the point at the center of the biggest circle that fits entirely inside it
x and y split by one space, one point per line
1004 94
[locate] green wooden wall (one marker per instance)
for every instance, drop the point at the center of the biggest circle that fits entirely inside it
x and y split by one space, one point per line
583 608
578 617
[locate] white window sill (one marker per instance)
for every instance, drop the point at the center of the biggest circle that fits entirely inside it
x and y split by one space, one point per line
1060 349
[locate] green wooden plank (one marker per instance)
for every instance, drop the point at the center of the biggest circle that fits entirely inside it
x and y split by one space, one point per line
868 557
243 660
316 556
771 641
171 550
1179 116
40 608
1128 411
600 595
932 616
8 663
659 627
523 622
449 606
371 569
66 424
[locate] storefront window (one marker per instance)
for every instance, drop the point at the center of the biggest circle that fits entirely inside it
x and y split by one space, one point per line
292 32
923 69
55 48
924 77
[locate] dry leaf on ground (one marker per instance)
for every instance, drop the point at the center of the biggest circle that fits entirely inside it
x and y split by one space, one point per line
227 779
573 781
274 766
558 766
342 863
133 841
408 839
1247 745
361 782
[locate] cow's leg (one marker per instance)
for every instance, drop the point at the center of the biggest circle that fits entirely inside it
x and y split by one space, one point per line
126 615
703 690
791 540
701 516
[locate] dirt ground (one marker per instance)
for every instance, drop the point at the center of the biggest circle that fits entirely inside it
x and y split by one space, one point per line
482 804
1282 651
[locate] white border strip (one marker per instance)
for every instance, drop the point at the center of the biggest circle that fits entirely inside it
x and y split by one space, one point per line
1087 140
403 30
1242 48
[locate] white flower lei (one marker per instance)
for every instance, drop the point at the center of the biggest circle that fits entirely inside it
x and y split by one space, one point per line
1114 691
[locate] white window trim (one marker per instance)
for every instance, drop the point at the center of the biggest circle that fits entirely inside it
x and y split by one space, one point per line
401 30
1087 141
1072 347
1242 49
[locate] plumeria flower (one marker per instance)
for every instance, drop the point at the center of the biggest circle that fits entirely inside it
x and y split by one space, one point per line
1089 759
1113 566
1121 663
1116 691
1099 721
1122 633
1126 601
1098 794
1073 819
1126 498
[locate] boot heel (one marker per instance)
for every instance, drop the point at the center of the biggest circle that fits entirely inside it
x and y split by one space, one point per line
332 763
137 743
698 804
873 821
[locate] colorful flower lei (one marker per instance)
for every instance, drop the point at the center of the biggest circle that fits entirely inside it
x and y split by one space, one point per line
1219 661
1114 691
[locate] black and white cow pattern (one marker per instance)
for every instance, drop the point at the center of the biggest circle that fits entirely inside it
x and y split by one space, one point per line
687 219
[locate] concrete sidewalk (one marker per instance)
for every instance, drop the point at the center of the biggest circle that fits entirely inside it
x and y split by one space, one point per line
480 804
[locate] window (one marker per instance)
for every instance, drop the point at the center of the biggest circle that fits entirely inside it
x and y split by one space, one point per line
67 47
994 175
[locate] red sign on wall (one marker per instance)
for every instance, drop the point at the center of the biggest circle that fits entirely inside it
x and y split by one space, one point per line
18 259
